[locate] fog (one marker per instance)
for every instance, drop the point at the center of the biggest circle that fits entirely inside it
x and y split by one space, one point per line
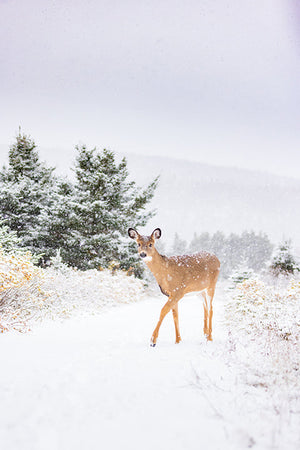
215 82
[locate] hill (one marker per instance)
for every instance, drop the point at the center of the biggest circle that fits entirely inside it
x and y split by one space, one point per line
194 197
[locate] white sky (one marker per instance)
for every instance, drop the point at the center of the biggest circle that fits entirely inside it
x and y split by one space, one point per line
212 81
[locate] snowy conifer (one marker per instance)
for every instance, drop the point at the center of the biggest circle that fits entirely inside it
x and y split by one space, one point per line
9 240
179 246
26 195
240 274
105 205
283 261
200 242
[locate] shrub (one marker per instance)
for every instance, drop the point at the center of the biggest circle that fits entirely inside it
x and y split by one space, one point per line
256 308
29 294
283 261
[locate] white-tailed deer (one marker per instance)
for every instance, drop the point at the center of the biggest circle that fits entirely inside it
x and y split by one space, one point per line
177 276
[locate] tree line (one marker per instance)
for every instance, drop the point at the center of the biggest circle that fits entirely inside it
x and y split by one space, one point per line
250 249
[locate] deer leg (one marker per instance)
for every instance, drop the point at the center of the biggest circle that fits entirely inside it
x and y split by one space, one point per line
210 292
166 308
176 323
205 308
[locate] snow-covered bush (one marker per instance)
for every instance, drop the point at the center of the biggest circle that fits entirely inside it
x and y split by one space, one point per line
265 321
16 270
29 295
19 278
264 325
283 260
56 262
256 307
293 290
9 240
242 273
87 292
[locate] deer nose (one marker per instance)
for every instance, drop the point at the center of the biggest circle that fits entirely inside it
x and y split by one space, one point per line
143 255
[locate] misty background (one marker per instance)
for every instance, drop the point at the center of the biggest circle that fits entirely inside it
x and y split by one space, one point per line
197 91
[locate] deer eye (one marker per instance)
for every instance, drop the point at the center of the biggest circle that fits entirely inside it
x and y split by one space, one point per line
139 245
150 245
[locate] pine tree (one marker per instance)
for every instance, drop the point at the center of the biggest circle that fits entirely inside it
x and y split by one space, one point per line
87 221
26 195
179 245
24 162
61 224
104 206
256 249
9 241
200 242
283 261
240 274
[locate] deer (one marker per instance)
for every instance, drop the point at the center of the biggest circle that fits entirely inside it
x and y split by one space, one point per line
177 276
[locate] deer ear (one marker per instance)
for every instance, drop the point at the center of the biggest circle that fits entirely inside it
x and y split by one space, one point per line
156 233
133 234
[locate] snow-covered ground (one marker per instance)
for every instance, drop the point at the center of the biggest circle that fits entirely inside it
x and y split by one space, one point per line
94 382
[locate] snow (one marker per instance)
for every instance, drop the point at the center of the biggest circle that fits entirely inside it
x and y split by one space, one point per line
94 382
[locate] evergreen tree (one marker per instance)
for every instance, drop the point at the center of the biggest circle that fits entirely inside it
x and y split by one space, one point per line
200 242
60 227
104 206
233 253
256 249
179 245
283 261
218 244
25 195
24 162
240 274
9 241
87 221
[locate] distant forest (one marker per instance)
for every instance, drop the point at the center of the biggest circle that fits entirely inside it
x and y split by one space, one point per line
249 249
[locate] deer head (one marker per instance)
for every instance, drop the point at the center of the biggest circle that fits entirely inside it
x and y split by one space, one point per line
146 244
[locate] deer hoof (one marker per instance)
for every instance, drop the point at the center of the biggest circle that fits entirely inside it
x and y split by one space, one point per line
152 343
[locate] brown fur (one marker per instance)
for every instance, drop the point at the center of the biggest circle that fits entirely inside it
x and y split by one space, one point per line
179 275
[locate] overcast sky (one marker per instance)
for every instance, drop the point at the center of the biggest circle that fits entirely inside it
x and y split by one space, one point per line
213 81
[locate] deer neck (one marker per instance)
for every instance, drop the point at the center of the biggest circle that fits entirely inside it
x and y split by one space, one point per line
157 265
